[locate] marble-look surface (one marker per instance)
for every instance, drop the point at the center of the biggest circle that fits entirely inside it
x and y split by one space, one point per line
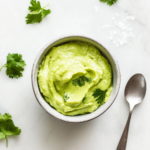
40 131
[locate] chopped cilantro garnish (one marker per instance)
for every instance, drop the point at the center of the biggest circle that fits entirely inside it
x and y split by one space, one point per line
7 127
65 97
81 81
99 95
15 65
37 13
109 2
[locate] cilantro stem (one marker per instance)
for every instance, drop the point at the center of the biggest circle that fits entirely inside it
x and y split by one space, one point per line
3 67
45 6
6 141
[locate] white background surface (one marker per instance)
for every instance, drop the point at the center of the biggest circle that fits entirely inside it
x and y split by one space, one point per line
40 131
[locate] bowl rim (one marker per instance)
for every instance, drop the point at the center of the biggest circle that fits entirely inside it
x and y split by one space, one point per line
33 72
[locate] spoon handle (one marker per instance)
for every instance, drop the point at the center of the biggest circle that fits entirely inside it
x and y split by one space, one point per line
123 140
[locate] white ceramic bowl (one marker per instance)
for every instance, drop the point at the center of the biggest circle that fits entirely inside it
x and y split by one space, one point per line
116 79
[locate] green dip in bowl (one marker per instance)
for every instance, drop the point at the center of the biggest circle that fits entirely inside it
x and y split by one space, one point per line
75 78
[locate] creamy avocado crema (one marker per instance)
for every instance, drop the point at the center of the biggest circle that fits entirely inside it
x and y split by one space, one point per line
75 78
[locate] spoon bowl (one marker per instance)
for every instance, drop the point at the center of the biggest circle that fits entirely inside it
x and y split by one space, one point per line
135 89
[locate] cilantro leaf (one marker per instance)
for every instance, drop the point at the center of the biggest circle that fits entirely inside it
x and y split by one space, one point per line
99 95
65 97
35 6
81 81
7 127
15 65
33 18
109 2
37 13
45 12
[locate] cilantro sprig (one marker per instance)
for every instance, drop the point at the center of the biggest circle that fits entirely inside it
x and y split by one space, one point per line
81 81
7 127
99 95
109 2
37 13
15 65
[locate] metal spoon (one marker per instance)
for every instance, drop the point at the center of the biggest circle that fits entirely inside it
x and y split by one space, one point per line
134 93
